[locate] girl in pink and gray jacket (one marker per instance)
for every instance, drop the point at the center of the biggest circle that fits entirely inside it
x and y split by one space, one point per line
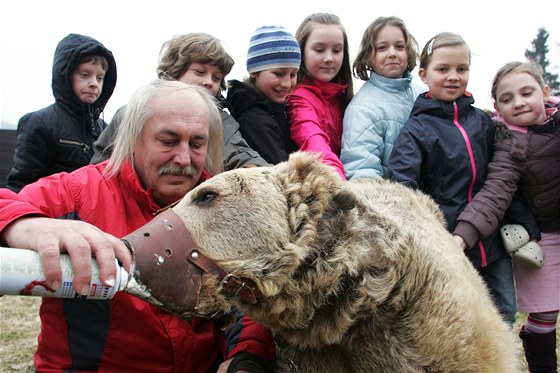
526 160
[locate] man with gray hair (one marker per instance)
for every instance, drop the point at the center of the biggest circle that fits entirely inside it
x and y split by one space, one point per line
164 148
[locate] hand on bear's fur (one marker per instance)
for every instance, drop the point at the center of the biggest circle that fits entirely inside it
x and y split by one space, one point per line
462 244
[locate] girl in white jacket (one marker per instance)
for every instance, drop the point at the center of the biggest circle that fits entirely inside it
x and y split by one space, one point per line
376 114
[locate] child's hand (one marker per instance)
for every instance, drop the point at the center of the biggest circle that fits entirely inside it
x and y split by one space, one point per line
462 244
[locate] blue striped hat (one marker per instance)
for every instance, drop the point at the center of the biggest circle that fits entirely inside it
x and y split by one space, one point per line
272 47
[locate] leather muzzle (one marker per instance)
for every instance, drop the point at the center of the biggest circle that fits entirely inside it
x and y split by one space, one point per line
167 267
162 272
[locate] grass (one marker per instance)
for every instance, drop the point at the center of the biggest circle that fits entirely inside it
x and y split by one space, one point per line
19 327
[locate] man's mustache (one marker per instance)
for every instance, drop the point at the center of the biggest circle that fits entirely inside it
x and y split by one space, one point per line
174 170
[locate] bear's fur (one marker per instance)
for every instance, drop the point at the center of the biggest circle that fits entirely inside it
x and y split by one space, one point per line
360 276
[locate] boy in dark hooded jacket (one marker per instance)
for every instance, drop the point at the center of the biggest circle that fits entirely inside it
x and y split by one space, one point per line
59 138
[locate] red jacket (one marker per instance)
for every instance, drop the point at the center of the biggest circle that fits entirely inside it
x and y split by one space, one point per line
124 334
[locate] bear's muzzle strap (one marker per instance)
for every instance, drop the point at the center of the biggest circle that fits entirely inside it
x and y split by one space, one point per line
228 281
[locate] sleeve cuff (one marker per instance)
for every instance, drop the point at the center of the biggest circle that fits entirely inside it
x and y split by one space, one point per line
249 362
467 232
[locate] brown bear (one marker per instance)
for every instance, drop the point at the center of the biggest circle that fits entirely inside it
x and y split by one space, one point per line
358 276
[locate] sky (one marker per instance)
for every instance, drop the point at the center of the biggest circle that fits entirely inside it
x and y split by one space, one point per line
497 32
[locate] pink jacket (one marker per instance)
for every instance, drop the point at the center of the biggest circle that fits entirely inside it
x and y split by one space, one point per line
316 112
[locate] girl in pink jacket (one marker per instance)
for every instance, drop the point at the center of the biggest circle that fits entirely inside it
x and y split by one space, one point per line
324 88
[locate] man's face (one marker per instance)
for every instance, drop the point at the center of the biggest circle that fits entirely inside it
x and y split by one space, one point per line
171 156
87 81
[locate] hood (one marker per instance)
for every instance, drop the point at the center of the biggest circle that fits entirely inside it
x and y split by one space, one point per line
68 52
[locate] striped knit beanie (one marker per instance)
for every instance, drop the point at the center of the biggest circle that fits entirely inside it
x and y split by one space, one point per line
272 47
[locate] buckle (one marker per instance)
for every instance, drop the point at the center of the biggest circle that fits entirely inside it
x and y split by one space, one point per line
231 280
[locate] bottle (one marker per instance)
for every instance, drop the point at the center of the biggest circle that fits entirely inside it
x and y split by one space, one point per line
21 273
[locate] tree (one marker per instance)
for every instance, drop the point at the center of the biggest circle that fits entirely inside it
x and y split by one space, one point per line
538 56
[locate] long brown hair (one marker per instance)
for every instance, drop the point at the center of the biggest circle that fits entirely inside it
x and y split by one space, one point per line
366 52
302 35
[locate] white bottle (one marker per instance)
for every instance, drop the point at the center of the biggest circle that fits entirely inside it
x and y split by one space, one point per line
21 273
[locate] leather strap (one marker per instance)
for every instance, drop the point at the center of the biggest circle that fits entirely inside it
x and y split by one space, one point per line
231 283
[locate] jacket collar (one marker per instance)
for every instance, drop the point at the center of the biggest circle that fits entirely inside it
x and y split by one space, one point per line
328 90
550 113
390 84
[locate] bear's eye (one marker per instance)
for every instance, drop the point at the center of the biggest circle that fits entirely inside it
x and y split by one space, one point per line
205 197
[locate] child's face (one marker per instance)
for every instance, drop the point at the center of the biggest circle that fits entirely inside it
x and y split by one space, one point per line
87 81
447 74
276 84
204 75
520 99
324 52
390 57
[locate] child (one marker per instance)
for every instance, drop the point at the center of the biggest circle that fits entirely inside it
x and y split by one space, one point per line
526 158
201 59
324 88
60 137
444 149
259 103
376 114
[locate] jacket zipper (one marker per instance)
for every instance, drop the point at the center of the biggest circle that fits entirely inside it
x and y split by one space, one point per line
473 167
85 147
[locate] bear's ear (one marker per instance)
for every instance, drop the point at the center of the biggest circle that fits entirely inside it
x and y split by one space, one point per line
308 185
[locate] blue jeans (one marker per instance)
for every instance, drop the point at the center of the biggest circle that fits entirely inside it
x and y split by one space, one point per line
500 281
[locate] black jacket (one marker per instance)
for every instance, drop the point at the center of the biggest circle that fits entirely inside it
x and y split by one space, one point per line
443 150
263 123
60 137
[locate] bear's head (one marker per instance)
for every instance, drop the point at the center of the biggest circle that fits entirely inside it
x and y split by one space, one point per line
254 224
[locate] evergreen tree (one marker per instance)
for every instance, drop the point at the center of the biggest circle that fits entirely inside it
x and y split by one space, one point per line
538 56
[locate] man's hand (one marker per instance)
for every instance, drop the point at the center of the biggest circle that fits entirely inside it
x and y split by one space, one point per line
82 241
